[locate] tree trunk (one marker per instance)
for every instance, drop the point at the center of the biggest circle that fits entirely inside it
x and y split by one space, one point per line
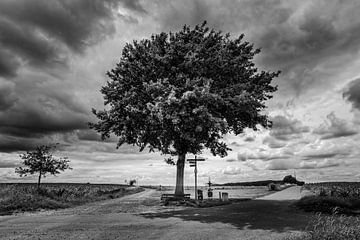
38 184
179 189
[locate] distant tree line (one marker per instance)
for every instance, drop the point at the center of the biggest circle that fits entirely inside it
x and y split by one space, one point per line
287 179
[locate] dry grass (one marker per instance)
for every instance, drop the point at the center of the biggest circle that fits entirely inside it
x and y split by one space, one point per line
331 227
335 189
329 204
332 197
26 197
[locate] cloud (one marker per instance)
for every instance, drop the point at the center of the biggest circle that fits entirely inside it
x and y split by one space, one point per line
7 96
325 163
282 164
34 121
41 34
249 139
321 155
43 51
8 64
352 93
231 170
273 143
92 135
9 161
334 127
261 155
242 156
308 41
284 128
134 5
231 160
235 144
251 165
306 45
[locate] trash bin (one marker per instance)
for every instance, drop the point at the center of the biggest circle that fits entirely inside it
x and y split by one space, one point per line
225 196
210 193
200 194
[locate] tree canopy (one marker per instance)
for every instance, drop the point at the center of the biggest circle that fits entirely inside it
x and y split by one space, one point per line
181 92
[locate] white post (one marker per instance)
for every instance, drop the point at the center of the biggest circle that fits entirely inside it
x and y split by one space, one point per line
196 194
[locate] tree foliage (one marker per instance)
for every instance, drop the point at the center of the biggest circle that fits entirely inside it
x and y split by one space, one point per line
181 92
41 161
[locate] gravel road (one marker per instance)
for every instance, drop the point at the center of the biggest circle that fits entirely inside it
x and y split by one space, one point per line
291 193
139 216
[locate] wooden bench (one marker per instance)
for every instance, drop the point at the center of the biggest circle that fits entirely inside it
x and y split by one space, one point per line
173 197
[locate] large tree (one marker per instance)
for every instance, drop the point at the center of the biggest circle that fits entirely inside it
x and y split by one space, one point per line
180 92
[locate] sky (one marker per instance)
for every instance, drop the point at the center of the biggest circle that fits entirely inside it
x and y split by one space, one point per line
54 56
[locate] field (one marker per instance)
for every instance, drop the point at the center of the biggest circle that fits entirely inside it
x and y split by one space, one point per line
26 197
332 197
336 189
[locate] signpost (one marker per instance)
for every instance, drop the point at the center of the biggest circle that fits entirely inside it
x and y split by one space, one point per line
193 163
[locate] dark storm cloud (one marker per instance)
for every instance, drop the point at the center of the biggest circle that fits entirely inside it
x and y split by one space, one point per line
38 105
352 93
36 117
28 44
295 37
8 64
284 128
13 144
134 5
323 33
7 96
334 127
35 122
40 32
91 135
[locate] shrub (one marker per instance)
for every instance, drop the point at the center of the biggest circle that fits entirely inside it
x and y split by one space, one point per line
322 192
300 183
272 187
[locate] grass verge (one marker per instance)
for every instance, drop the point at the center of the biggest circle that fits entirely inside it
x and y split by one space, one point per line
328 204
20 198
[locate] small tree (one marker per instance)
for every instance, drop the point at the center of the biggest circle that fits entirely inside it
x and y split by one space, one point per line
179 93
40 161
132 182
289 179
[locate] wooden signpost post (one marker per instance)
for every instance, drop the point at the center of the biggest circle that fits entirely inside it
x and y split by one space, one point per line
193 163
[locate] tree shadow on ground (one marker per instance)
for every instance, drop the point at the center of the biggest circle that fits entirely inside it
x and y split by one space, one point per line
278 216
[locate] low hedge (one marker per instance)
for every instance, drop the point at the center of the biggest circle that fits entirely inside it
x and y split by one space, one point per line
328 204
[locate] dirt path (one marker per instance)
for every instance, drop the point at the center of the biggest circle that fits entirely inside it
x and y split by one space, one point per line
291 193
139 216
